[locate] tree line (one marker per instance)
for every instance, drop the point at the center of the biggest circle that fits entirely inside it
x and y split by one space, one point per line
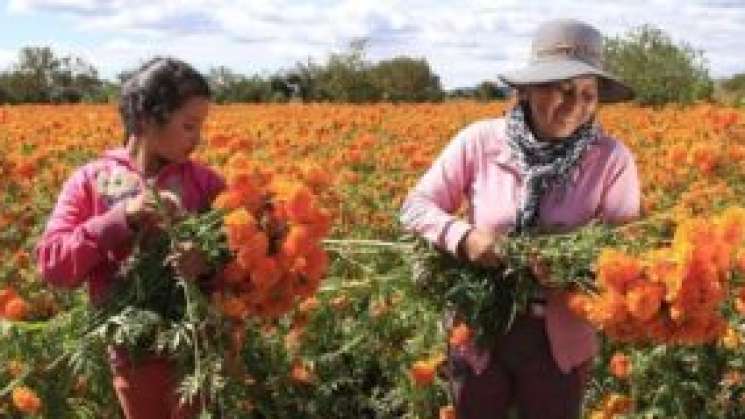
660 70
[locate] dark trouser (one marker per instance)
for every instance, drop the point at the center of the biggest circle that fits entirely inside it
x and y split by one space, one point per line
521 373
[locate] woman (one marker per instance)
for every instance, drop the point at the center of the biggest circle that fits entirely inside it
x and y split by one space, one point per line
545 164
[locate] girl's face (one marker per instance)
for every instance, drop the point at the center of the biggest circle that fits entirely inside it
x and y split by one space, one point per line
177 139
559 108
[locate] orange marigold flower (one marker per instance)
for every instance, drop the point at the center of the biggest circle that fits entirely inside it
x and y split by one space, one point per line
579 303
423 372
299 204
265 273
240 235
460 335
317 262
609 308
254 251
617 270
644 300
302 372
233 273
617 404
308 305
664 269
16 309
231 306
228 200
705 157
279 298
26 400
732 225
731 338
298 240
693 231
447 412
620 365
6 294
320 222
239 216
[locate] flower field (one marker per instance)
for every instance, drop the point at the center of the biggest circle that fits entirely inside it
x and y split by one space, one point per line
367 344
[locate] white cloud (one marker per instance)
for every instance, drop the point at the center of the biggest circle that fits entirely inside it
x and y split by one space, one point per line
465 42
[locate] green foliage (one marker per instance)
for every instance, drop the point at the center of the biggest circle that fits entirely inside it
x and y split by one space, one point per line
405 79
346 76
659 70
737 82
41 76
732 90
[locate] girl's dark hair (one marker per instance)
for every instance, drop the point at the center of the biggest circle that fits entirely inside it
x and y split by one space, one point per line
157 89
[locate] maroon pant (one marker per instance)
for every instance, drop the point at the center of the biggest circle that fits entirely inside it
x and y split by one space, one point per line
147 389
521 374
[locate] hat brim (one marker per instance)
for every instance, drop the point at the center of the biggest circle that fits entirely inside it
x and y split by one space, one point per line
610 88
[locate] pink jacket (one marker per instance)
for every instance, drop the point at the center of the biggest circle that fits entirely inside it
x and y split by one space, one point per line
87 235
478 166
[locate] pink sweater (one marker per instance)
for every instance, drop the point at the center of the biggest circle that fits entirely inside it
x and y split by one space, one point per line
87 235
478 166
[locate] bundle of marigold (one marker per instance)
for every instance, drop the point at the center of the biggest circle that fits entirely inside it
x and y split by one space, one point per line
488 299
274 233
261 244
674 294
581 262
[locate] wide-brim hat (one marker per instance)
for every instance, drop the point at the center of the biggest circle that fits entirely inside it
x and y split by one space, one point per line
563 49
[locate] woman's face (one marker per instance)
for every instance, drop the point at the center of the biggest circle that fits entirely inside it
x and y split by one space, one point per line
559 108
174 141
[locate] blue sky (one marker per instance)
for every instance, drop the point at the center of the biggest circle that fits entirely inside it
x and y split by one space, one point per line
464 41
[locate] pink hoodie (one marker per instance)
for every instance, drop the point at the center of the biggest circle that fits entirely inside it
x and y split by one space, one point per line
87 235
478 167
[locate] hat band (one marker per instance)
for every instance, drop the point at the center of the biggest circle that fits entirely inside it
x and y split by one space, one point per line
584 53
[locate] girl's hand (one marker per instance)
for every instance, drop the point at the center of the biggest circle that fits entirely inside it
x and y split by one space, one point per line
481 247
146 211
188 261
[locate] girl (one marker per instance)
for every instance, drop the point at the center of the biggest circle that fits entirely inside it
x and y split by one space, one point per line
91 229
547 164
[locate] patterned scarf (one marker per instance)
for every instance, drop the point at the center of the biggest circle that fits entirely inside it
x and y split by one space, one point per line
546 163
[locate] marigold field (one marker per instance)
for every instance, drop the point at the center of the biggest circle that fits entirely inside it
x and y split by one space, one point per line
368 345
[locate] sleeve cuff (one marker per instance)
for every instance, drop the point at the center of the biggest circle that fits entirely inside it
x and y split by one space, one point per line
455 233
110 229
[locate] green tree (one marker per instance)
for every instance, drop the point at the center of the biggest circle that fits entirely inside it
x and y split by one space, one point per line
75 80
736 83
346 77
489 90
41 76
406 79
659 70
732 91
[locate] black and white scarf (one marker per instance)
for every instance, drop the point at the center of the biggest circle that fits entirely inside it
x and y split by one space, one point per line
546 163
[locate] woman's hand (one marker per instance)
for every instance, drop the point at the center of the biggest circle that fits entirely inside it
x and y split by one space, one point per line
481 247
541 270
188 261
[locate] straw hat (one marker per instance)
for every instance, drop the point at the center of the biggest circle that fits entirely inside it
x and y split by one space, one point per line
567 48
